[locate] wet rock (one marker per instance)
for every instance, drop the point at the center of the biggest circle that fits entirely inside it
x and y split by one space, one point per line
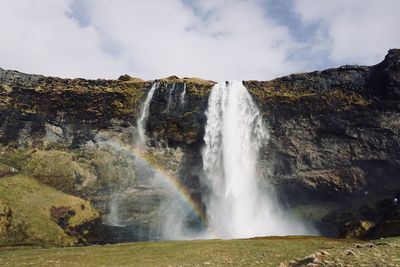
335 134
356 229
87 231
360 222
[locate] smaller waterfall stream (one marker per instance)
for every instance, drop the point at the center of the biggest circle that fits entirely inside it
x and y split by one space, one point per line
170 100
144 113
173 206
115 202
182 96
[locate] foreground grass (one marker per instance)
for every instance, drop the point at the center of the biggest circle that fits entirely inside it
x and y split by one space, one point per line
245 252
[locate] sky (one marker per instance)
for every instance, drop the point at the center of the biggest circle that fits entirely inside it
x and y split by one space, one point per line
211 39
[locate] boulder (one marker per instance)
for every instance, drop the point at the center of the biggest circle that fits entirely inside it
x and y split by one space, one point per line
356 229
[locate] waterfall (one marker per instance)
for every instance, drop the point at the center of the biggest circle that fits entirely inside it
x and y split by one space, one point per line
234 134
115 205
144 113
170 100
174 213
182 96
174 104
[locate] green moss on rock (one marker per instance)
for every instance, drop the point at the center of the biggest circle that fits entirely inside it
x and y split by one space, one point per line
195 86
58 169
279 92
25 216
13 157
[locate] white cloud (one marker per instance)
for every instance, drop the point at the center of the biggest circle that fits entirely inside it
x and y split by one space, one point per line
225 39
152 38
38 37
356 31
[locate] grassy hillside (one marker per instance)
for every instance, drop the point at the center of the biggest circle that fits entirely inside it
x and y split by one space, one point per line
34 213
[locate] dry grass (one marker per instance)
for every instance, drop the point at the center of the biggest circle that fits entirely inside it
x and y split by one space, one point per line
270 251
245 252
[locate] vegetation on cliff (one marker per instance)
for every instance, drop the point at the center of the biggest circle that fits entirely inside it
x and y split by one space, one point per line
33 213
334 136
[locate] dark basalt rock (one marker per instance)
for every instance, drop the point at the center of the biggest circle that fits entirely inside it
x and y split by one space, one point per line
124 77
88 232
356 229
80 107
385 229
335 134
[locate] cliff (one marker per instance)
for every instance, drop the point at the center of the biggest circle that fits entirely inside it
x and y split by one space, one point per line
334 137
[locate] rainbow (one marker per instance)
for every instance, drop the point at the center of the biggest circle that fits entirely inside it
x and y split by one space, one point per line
171 180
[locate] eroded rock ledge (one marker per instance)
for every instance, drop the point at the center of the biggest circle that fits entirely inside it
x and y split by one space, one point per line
335 137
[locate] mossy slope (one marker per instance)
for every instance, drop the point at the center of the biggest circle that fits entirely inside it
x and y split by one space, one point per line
26 216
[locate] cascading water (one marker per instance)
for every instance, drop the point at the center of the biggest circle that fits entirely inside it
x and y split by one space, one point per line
176 98
174 212
113 217
144 113
182 96
170 94
234 134
235 206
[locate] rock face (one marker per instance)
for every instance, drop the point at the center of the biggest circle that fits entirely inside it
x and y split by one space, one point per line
335 134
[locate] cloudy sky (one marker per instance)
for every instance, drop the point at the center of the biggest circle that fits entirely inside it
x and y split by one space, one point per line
213 39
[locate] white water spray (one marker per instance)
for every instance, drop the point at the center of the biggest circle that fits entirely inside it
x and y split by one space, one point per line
113 217
182 96
144 113
170 94
233 137
173 213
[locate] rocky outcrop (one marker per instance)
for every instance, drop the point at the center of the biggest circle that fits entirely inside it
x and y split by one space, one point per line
372 219
65 111
335 134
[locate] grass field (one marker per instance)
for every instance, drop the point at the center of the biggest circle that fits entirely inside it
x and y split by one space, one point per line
245 252
270 251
